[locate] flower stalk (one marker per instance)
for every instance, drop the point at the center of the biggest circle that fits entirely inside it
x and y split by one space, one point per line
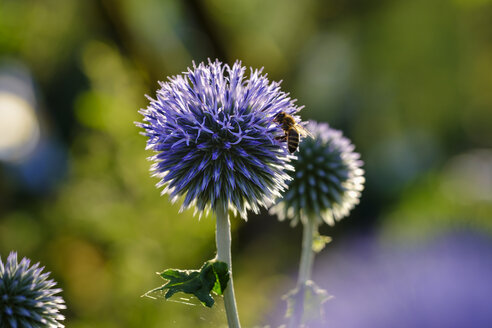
223 241
310 229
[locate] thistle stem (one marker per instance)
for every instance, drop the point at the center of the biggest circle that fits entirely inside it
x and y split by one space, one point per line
307 255
223 240
310 227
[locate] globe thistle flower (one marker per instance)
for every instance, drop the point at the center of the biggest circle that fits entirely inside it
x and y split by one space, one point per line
213 133
27 297
325 186
327 181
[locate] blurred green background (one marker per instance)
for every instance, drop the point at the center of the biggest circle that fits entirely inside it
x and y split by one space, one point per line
409 82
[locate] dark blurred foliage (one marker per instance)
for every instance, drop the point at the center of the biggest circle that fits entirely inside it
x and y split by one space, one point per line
409 82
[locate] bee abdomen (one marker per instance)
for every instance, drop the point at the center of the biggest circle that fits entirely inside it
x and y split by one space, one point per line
292 140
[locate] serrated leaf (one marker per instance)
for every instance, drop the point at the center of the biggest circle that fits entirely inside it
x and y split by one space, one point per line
213 276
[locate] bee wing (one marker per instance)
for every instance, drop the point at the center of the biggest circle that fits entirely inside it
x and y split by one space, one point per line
303 132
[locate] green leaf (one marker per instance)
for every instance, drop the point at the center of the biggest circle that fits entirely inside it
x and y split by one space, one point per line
221 271
213 276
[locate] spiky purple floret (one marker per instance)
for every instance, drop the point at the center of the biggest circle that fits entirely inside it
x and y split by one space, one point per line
328 178
27 296
213 133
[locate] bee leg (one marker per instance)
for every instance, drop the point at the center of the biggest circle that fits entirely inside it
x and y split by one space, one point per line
282 138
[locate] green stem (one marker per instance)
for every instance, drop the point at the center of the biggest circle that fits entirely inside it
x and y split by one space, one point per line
223 240
307 255
305 269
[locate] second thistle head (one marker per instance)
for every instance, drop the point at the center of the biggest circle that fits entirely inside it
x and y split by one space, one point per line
327 181
27 295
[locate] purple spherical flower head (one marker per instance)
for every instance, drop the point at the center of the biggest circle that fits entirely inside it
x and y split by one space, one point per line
27 297
213 133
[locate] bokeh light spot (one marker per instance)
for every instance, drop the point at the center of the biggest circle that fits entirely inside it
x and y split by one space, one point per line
19 128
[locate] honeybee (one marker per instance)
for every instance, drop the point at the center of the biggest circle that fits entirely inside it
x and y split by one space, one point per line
292 130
